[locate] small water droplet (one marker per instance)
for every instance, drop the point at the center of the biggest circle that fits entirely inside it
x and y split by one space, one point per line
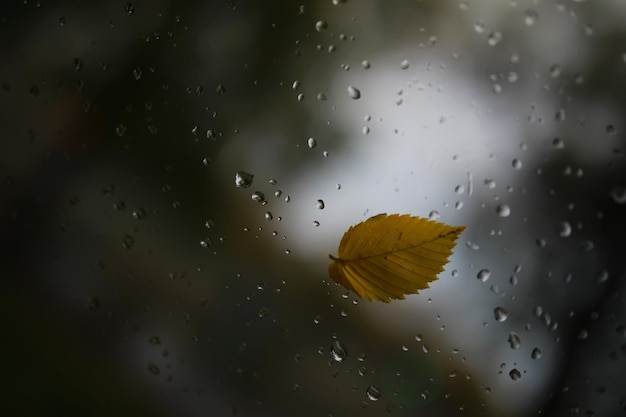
500 314
259 197
268 215
515 374
354 92
243 179
373 393
433 215
503 210
366 64
560 115
405 64
491 184
558 143
494 38
321 25
320 204
601 276
479 26
530 17
565 229
514 340
618 193
555 71
517 163
483 275
338 351
311 143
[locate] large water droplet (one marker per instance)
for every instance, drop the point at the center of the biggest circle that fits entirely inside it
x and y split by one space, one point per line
500 314
354 92
483 275
338 351
243 179
311 143
515 374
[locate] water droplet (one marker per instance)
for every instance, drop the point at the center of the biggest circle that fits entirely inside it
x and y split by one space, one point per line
503 210
320 204
479 26
259 197
560 115
494 38
405 64
366 64
565 229
536 353
321 25
354 92
601 276
154 370
243 179
268 215
373 393
517 163
433 215
339 2
530 17
514 341
338 351
515 374
483 275
491 184
137 74
500 314
558 143
311 143
555 71
93 303
618 193
459 189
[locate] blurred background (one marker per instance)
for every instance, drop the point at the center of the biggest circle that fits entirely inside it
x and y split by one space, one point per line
173 176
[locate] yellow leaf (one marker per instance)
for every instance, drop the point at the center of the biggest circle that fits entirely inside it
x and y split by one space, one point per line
386 257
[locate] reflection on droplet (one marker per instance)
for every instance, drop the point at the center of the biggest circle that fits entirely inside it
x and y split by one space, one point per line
338 351
514 340
373 393
483 275
243 179
354 92
503 210
500 314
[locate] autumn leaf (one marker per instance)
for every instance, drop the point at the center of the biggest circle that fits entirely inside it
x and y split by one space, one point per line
386 257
